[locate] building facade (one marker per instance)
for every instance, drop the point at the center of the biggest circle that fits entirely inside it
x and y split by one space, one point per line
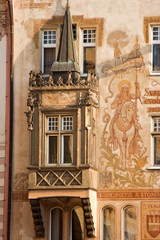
86 120
5 103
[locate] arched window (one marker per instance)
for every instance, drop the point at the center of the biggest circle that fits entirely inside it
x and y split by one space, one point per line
56 224
109 223
77 221
130 223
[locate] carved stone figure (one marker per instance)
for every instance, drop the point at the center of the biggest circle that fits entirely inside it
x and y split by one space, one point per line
40 81
60 81
69 80
29 115
32 79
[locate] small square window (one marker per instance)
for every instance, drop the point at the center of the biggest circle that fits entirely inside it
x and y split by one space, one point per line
67 123
52 123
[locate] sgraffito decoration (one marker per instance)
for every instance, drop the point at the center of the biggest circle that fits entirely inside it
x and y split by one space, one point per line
124 153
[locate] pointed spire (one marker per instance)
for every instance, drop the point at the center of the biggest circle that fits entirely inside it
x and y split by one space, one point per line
66 48
66 59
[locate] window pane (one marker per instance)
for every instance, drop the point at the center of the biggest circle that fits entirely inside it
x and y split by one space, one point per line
89 35
49 58
156 124
67 123
77 224
56 224
52 158
49 35
156 57
74 28
67 149
52 124
130 223
89 59
109 224
156 150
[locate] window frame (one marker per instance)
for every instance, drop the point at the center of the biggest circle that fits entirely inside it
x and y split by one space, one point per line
60 134
43 46
153 42
50 220
71 226
85 45
153 135
115 214
123 220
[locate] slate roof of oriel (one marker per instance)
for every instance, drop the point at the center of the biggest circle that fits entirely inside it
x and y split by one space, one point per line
66 59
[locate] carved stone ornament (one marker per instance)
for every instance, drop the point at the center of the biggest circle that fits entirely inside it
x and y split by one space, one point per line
91 98
3 24
21 181
37 81
32 101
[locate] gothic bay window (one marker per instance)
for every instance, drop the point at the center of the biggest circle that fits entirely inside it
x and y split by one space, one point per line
156 140
155 49
60 139
88 53
48 50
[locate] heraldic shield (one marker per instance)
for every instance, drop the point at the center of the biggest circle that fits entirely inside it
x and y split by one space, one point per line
153 225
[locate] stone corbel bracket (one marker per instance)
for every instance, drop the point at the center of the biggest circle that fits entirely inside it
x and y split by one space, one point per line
37 216
88 217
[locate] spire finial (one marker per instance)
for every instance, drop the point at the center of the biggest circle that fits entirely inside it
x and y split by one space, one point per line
67 3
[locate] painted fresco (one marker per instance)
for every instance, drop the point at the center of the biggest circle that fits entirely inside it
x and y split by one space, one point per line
150 220
124 154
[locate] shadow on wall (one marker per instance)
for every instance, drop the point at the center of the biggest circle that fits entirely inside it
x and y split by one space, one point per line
122 62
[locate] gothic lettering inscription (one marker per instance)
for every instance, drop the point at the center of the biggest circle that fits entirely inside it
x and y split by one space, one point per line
128 195
151 96
155 109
